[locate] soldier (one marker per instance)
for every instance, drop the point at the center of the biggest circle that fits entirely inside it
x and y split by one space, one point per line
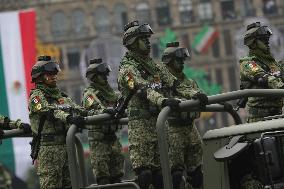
50 118
259 70
140 80
185 145
5 178
106 156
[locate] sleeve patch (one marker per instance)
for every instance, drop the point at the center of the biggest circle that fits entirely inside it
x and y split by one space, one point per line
36 102
90 100
130 80
252 66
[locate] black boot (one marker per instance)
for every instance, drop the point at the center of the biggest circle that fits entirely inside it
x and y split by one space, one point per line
103 180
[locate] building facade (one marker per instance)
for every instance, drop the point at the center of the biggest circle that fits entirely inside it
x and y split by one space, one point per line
76 25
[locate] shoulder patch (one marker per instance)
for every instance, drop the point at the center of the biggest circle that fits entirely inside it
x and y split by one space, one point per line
36 102
252 66
130 80
89 100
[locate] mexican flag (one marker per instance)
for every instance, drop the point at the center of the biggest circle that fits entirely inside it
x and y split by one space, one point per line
204 39
17 56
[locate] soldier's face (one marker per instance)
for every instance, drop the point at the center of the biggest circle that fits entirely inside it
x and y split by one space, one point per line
263 44
50 79
178 65
100 79
144 45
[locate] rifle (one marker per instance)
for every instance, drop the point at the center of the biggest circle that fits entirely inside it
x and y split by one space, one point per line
122 102
35 143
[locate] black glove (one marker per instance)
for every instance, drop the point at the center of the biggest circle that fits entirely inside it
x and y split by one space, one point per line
26 127
110 111
78 120
171 102
203 99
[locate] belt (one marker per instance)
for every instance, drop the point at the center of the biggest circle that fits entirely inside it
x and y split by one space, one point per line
52 139
263 112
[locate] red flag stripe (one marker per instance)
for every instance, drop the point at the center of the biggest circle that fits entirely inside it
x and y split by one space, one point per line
28 35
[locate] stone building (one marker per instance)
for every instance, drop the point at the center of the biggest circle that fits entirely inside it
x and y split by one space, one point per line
77 25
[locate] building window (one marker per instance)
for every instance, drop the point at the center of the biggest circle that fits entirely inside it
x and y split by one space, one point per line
216 48
205 10
102 20
155 50
228 42
78 21
186 11
143 13
73 59
232 74
247 8
228 9
269 7
120 17
185 41
59 24
163 14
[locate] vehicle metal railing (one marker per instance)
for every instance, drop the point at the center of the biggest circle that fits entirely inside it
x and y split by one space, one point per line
193 105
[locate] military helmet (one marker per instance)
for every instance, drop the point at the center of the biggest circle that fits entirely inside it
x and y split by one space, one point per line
173 51
133 30
97 67
256 31
44 64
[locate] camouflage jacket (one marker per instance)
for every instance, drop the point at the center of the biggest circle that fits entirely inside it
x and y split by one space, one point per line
250 67
96 98
49 102
12 124
140 73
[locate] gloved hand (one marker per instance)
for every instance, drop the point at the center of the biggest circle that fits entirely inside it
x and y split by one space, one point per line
171 102
26 127
78 120
203 99
110 111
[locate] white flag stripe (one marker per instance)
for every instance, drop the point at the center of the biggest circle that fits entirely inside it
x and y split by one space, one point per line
14 72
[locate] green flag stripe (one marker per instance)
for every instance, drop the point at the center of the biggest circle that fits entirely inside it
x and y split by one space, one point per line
199 36
6 148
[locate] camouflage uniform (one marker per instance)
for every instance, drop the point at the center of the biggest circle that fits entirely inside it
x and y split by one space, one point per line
259 70
45 112
106 156
143 112
5 178
185 144
53 170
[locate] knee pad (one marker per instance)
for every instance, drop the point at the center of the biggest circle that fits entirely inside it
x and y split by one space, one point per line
103 180
144 179
196 177
158 179
177 179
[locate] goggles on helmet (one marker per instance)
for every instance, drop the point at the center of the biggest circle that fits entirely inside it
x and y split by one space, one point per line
103 68
181 53
51 67
262 31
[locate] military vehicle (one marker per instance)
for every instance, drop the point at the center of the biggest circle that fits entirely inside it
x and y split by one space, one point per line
227 151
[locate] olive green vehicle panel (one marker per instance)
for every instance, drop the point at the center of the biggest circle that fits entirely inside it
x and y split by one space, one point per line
216 173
